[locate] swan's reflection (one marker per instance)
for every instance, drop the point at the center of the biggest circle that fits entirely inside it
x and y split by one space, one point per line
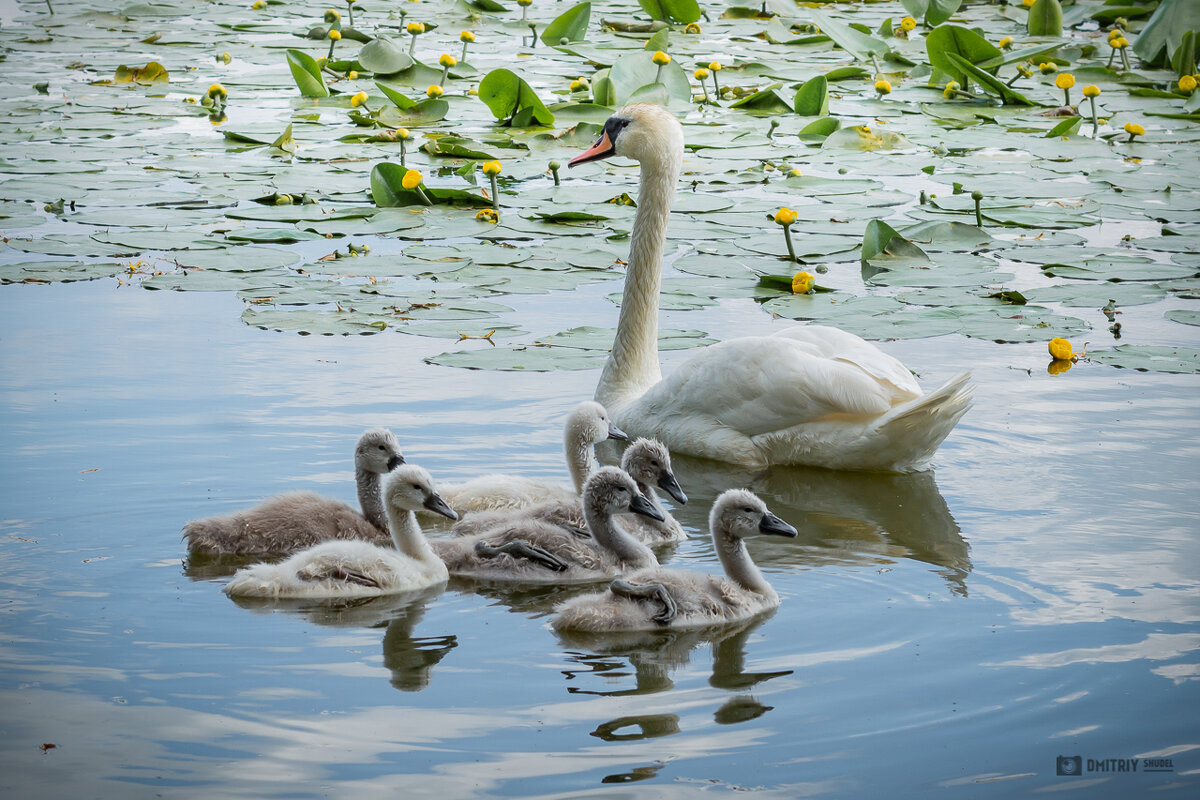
843 517
654 655
411 659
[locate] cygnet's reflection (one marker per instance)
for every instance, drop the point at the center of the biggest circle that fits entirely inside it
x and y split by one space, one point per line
843 517
410 658
654 655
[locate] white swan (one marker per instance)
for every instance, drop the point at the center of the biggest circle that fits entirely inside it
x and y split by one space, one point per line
588 424
656 598
807 395
645 460
295 520
356 568
532 551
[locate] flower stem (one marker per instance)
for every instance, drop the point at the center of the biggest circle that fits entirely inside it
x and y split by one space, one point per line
1066 97
445 72
50 7
402 148
496 194
332 42
1095 119
350 10
787 237
412 46
978 212
424 197
463 57
716 88
658 74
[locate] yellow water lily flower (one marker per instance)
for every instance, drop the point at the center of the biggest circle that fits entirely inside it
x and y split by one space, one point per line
692 28
701 74
1091 91
415 28
1133 129
1187 84
335 34
1065 81
1060 349
1048 67
951 90
358 99
411 180
803 282
491 168
785 216
217 90
435 91
660 58
466 36
332 14
715 66
447 60
1006 43
259 5
907 24
883 87
488 215
402 133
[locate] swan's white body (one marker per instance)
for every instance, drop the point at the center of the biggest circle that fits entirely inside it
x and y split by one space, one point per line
809 395
355 568
700 600
295 520
609 552
586 425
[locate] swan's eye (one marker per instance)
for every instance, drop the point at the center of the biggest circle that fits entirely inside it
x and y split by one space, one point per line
748 509
381 447
654 464
417 486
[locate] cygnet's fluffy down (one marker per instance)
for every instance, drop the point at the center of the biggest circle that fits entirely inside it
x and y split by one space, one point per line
655 598
295 520
529 550
355 568
587 425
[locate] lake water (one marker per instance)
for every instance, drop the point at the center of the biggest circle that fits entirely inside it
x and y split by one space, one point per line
965 632
946 633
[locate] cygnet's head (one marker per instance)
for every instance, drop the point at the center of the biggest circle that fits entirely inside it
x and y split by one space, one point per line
410 488
611 491
378 451
739 513
641 131
588 422
649 462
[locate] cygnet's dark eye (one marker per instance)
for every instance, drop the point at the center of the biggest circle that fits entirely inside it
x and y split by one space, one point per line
748 509
654 464
417 486
381 447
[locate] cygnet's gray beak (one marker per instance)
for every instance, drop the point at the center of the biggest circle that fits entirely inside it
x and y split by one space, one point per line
668 484
616 433
640 505
772 525
395 461
437 505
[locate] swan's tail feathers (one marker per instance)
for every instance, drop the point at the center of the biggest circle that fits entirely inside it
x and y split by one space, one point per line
915 429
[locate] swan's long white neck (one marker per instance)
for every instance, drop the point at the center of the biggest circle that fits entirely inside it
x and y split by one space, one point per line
370 497
613 538
407 535
632 366
738 565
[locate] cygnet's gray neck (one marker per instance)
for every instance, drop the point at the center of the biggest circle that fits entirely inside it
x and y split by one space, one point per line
612 537
739 567
580 460
370 497
407 535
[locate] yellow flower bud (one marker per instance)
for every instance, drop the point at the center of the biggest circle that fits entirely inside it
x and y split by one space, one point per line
331 14
692 28
701 74
1120 43
785 216
466 36
660 58
487 215
491 168
336 35
1091 91
217 90
402 133
524 2
225 58
1060 349
1006 42
1065 81
415 28
352 75
1027 3
802 283
1047 67
447 60
796 173
715 66
259 5
579 85
358 99
907 24
1133 129
1187 84
951 88
883 87
435 91
411 180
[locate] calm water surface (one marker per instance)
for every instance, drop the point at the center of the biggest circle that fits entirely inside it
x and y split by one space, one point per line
943 634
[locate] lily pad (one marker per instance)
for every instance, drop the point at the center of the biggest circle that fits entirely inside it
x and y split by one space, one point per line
1150 358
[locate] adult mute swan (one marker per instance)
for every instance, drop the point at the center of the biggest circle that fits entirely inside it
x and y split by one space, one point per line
529 550
588 424
806 395
295 520
654 598
644 460
357 568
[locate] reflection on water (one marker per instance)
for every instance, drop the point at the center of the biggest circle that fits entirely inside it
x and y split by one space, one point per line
654 655
843 517
648 726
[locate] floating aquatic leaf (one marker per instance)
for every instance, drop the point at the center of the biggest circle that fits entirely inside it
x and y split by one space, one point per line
812 98
1187 316
1150 358
57 271
882 245
383 55
326 323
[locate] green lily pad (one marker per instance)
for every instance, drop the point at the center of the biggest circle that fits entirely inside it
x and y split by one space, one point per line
1150 358
57 271
1186 316
325 323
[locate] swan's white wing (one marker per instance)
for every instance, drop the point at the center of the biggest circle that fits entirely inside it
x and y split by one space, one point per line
761 384
839 345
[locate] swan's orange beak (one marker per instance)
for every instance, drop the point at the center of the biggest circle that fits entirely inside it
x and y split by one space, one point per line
601 149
